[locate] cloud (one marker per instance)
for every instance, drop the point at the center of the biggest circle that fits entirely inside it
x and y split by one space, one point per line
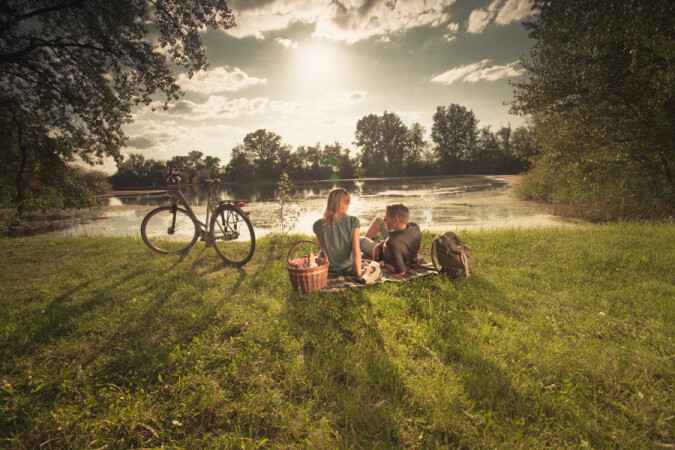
511 11
478 20
494 73
220 107
188 125
340 20
286 43
176 137
215 106
458 73
218 80
477 72
453 28
339 99
329 101
514 10
141 142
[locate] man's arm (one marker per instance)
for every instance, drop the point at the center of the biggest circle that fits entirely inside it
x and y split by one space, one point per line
395 256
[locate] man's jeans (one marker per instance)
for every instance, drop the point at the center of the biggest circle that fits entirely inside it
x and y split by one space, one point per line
368 245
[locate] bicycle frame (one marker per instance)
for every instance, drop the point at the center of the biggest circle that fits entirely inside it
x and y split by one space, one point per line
225 221
179 199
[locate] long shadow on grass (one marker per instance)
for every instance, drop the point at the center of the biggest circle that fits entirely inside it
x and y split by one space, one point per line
464 343
105 340
351 382
64 315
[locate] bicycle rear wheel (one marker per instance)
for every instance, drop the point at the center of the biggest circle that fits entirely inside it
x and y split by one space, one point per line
169 229
233 236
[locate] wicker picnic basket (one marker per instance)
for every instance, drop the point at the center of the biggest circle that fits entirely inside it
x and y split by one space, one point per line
308 279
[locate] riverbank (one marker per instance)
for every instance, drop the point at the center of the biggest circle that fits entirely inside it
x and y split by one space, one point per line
562 337
437 204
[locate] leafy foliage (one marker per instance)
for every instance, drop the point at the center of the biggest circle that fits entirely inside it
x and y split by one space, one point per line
388 149
384 142
71 70
600 93
454 132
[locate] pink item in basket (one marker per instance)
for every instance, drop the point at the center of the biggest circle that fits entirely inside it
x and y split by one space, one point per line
299 263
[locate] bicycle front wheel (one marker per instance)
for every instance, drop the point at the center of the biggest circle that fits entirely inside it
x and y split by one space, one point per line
169 230
233 236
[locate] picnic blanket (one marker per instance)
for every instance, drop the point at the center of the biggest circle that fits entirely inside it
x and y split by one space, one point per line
416 269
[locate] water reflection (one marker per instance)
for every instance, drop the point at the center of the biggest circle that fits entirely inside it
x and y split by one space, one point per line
442 203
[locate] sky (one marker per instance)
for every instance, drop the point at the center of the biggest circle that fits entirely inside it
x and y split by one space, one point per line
308 70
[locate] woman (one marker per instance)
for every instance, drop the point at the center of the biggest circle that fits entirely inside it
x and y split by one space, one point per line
338 234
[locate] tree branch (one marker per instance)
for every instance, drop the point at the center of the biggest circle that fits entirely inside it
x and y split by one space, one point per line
35 45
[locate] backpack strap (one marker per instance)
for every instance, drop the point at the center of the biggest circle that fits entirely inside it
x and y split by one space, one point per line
434 244
465 262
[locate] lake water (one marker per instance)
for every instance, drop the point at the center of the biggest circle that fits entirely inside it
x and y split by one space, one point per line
436 204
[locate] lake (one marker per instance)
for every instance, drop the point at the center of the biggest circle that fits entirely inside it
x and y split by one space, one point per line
436 204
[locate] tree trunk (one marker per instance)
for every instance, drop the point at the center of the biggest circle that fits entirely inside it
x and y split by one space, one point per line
666 169
20 184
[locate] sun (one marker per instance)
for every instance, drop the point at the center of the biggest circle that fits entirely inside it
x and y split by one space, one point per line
317 64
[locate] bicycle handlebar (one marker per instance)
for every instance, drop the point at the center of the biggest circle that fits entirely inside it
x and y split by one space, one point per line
173 177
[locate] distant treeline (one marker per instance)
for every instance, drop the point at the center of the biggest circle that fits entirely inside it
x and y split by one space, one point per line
386 147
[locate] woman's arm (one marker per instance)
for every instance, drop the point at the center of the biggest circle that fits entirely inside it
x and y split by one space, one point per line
356 252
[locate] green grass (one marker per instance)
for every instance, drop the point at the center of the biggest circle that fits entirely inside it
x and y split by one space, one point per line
107 343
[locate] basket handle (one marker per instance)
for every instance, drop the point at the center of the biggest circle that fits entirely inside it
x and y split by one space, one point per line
323 252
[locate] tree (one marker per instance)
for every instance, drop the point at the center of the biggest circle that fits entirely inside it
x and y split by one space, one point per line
135 170
600 94
417 146
240 167
212 164
337 162
454 132
72 70
384 142
346 165
369 139
196 162
523 143
487 148
262 148
504 137
295 164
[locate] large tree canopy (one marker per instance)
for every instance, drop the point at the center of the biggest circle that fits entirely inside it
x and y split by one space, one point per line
600 93
454 132
80 65
72 70
384 142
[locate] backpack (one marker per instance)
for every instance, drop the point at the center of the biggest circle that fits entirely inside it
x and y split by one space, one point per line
453 255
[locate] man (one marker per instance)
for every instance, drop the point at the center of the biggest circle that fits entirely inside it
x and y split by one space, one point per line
401 242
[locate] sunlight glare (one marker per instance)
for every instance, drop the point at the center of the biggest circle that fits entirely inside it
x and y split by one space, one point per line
317 65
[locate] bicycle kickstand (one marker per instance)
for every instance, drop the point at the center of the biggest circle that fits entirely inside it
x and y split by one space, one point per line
208 243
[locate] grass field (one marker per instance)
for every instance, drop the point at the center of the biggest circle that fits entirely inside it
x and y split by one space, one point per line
562 337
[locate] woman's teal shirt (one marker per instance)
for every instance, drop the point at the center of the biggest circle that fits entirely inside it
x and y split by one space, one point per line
337 240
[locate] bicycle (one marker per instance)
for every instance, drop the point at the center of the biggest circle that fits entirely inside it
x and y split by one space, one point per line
175 228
